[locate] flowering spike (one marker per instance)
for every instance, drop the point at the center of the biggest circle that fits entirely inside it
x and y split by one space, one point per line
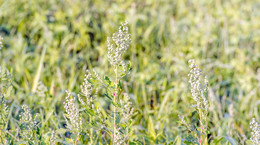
122 41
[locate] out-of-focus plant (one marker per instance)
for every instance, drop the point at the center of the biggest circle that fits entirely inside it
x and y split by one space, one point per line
197 134
5 90
255 133
29 126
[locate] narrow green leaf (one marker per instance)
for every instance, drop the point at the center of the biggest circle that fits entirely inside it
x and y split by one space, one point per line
108 97
39 70
90 112
177 140
231 140
151 129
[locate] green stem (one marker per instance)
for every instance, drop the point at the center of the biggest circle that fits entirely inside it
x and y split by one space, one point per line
91 132
201 126
115 95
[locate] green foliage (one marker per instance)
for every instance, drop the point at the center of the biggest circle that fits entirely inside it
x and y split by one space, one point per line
54 41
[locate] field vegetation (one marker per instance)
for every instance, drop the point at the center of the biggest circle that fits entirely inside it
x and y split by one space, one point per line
130 72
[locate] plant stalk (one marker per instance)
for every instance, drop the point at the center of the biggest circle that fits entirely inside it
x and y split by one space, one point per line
201 126
115 95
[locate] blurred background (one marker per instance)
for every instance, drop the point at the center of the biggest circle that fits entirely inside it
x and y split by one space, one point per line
55 41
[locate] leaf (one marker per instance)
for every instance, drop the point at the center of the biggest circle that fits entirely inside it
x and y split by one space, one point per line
134 143
226 139
108 97
8 93
249 142
90 112
65 142
217 140
39 70
187 142
21 142
107 81
114 104
177 140
165 99
231 140
151 129
61 131
129 66
122 75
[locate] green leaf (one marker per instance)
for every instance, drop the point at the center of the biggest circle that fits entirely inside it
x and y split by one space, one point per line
108 97
217 140
114 104
129 66
151 129
8 93
61 131
187 142
231 140
249 142
90 112
21 142
107 81
224 139
65 142
177 140
135 143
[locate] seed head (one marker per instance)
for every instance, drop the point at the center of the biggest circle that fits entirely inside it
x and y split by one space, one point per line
118 138
121 40
198 89
87 91
127 108
255 134
73 119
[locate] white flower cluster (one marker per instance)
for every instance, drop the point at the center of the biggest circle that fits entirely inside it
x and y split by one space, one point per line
1 42
5 107
26 118
52 139
122 41
255 138
41 89
127 108
118 138
198 90
72 118
3 112
28 124
87 90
